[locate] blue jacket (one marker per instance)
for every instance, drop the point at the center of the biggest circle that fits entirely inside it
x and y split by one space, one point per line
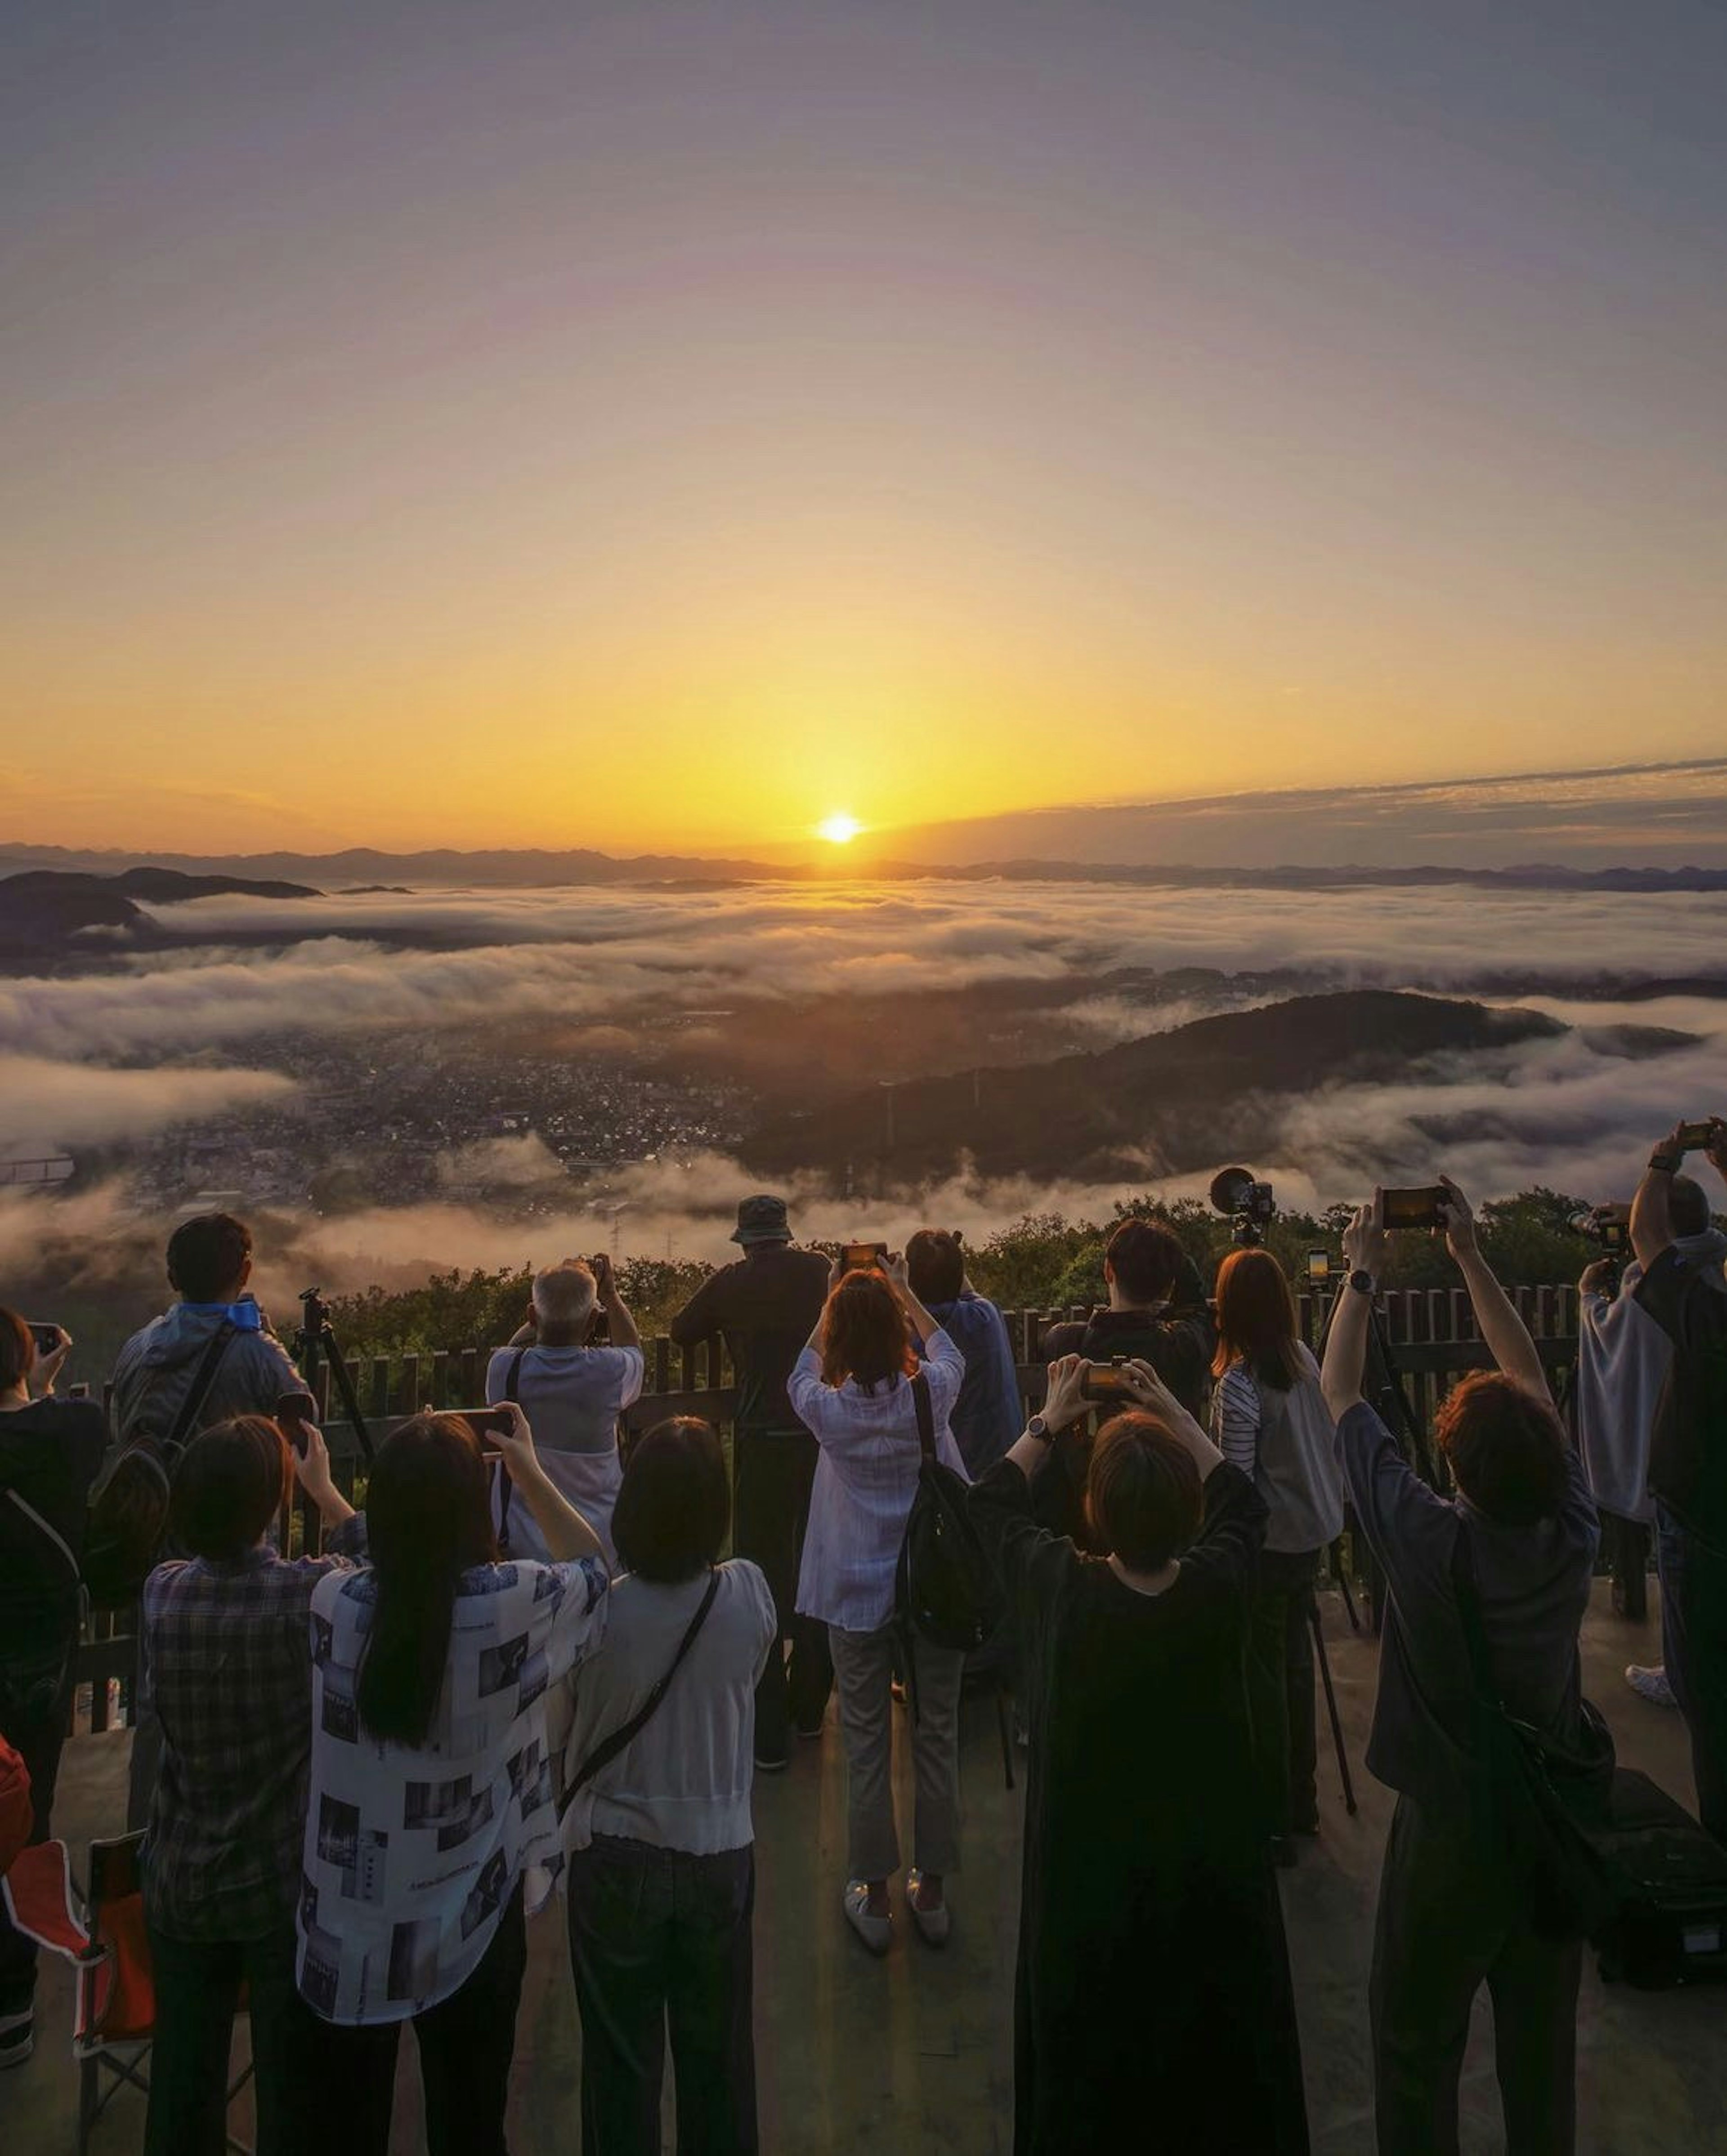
986 1418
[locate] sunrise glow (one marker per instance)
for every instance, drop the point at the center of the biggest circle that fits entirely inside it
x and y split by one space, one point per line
839 830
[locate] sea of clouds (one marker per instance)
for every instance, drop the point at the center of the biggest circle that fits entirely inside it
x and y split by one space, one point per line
156 1038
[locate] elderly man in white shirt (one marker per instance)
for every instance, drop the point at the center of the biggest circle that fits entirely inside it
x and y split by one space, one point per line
853 1386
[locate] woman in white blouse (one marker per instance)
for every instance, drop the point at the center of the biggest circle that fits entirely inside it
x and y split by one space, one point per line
853 1387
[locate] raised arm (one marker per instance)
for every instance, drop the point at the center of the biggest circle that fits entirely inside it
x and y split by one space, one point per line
620 1326
1507 1336
567 1534
1366 1247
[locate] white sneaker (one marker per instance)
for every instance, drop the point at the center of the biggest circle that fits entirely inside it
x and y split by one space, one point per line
933 1925
1651 1684
876 1933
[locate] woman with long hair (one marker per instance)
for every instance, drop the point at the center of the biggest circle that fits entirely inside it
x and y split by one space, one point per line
432 1788
1269 1419
224 1637
856 1386
662 1857
1152 2000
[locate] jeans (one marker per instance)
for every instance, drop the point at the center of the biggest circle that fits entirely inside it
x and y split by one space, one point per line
1693 1631
660 1937
1280 1688
774 1472
35 1701
863 1670
466 2043
197 1982
1448 1922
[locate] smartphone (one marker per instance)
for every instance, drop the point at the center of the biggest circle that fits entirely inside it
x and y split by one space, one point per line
863 1257
1414 1209
1616 1237
1696 1137
1319 1268
1105 1381
46 1336
485 1423
293 1412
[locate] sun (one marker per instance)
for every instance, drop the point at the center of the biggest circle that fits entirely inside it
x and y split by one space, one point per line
839 830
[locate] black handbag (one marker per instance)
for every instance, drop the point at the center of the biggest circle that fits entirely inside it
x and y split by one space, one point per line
1542 1799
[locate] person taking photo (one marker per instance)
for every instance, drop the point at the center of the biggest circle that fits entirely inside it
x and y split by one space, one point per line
1153 2001
1453 1914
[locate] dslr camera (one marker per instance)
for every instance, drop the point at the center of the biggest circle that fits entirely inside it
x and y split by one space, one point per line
1248 1203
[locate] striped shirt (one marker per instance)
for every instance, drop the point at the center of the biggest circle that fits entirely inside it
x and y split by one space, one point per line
864 1481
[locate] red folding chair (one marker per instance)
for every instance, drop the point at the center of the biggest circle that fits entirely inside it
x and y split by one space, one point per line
103 1937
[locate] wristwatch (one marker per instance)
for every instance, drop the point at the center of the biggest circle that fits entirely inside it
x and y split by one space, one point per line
1666 1163
1361 1281
1039 1428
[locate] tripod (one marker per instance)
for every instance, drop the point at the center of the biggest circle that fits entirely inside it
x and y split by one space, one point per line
316 1337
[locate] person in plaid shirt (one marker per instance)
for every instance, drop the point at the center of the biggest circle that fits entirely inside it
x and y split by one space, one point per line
227 1640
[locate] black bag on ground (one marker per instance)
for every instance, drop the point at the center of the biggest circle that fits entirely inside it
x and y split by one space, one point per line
1666 1884
945 1590
129 1506
1545 1799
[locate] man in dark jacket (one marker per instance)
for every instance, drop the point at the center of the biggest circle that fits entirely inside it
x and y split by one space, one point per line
766 1306
210 1261
1157 1312
1688 1466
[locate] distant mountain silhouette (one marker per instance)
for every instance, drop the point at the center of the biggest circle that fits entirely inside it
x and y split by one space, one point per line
542 868
42 910
1163 1104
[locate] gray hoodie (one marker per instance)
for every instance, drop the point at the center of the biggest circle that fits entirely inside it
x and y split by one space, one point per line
156 1367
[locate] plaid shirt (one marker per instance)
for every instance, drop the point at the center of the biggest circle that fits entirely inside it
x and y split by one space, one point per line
227 1652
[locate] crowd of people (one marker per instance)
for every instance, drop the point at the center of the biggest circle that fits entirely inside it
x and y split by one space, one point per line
526 1669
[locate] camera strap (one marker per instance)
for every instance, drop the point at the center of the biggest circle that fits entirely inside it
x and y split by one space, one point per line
506 1488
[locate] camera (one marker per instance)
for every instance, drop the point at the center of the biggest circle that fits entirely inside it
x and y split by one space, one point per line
1106 1381
1248 1202
1609 1226
862 1257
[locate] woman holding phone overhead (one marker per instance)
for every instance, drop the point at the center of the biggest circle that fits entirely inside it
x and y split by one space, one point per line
432 1785
1154 2004
860 1387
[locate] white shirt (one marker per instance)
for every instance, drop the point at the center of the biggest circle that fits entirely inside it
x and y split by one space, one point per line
685 1782
864 1481
573 1398
412 1853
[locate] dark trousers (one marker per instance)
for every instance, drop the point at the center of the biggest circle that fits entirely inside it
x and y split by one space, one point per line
35 1700
1449 1921
659 1938
198 1984
1625 1543
1693 1631
1280 1688
775 1471
466 2044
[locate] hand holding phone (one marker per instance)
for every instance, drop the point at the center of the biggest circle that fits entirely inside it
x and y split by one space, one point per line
863 1257
1420 1207
1107 1382
295 1413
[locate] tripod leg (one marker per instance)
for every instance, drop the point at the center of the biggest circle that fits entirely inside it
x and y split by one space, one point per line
345 1389
1004 1723
1337 1728
1339 1574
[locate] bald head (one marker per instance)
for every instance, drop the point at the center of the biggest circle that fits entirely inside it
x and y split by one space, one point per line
563 1299
1687 1207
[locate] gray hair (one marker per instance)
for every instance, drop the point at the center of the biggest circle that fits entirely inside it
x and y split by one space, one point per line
564 1294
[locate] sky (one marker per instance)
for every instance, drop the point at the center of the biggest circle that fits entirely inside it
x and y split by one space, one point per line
668 426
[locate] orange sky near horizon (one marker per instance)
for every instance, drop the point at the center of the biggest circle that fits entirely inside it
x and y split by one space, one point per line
668 428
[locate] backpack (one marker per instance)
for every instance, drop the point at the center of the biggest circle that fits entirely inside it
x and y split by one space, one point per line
17 1818
945 1590
129 1505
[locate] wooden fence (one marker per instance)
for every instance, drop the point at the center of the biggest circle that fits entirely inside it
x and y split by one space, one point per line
1432 1332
